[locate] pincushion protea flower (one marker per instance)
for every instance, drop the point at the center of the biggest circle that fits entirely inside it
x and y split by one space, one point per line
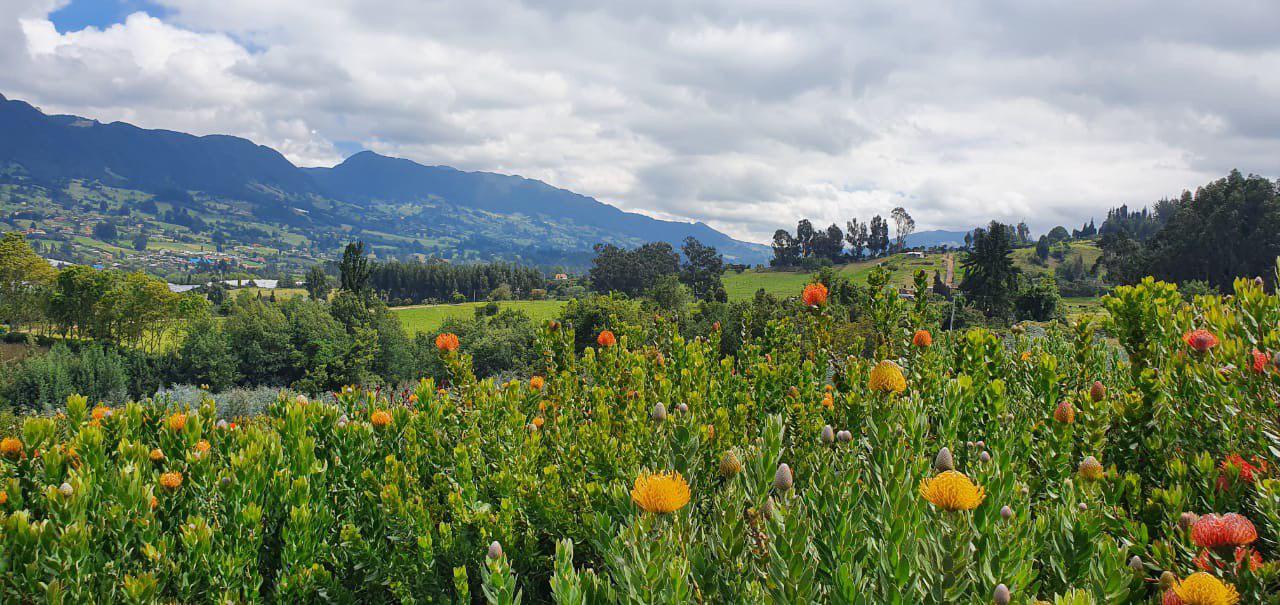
1090 469
814 295
887 377
1225 531
730 465
660 492
447 342
1200 340
171 480
922 339
156 455
11 447
537 382
1201 588
1243 556
380 418
1259 361
952 491
1065 413
100 412
176 422
1248 471
606 339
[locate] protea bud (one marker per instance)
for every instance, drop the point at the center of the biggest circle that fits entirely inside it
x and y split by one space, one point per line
221 424
66 490
682 407
1187 520
495 550
301 399
1090 469
1135 563
969 444
1001 596
659 412
828 435
980 444
1082 506
944 461
844 436
1098 391
533 428
1168 580
1065 413
767 508
1006 513
730 465
783 479
1258 281
225 481
985 456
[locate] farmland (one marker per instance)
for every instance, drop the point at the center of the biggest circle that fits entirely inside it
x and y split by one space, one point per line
426 318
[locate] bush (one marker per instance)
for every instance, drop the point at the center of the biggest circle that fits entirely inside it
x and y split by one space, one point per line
44 382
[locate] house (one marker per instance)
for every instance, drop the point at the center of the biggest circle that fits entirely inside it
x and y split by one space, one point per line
916 254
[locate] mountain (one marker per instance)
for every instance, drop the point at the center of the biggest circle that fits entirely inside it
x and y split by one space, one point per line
226 190
936 238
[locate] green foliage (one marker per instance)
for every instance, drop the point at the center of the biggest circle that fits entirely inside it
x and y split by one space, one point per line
990 279
1038 300
630 272
42 383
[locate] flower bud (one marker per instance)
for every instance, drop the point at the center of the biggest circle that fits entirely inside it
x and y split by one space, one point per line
1187 520
682 408
1098 391
844 436
767 509
1001 596
944 461
985 456
221 424
495 550
66 490
969 444
659 412
1135 563
1168 580
1082 506
980 444
783 479
1006 513
828 435
730 465
1090 469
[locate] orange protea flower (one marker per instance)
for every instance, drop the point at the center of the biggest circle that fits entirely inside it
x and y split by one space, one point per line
537 382
922 339
1200 340
176 422
1201 588
1065 413
1025 356
171 480
1243 555
606 339
1259 361
1225 531
887 377
4 498
447 342
156 455
11 447
413 398
1090 469
381 418
202 446
154 502
538 421
1248 471
828 401
99 412
814 295
660 492
952 491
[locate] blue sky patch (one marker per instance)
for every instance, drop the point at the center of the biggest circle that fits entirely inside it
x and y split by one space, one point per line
101 14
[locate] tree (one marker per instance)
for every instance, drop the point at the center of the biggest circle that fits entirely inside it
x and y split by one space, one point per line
105 231
1058 234
856 236
991 279
829 243
631 272
878 236
905 226
804 236
786 250
1038 300
354 269
140 242
702 270
1042 249
24 280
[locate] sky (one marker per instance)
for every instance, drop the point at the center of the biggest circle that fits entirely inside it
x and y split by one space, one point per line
746 115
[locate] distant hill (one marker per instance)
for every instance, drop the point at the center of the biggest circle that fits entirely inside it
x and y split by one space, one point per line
249 193
936 238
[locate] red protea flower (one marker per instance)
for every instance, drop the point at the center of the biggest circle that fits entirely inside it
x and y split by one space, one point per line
1065 413
814 295
447 342
1223 531
922 339
1248 471
1259 361
1243 556
1200 340
606 339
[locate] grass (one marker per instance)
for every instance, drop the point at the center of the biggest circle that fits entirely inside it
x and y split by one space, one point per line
426 318
743 286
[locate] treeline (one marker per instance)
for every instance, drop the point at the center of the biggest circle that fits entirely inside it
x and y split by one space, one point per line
655 269
432 282
1226 229
812 247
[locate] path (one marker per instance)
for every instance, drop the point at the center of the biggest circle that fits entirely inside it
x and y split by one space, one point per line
951 270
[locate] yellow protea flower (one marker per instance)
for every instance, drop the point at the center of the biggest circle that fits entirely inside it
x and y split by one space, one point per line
176 422
660 492
99 412
952 491
887 377
1201 588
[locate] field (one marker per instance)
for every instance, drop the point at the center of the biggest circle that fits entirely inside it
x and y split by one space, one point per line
743 286
426 318
968 468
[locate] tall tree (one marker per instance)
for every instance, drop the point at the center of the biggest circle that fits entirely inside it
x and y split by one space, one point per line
1024 233
829 243
24 279
631 272
905 226
991 279
354 269
878 236
317 283
856 235
786 250
804 236
702 270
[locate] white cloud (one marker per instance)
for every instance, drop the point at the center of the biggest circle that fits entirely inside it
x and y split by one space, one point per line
745 115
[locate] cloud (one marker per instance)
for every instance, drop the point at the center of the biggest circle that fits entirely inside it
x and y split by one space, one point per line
747 115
